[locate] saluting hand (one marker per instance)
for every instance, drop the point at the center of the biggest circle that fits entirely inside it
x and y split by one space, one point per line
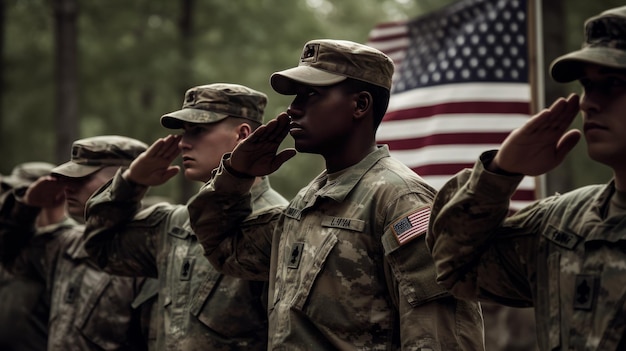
257 154
153 167
542 143
45 192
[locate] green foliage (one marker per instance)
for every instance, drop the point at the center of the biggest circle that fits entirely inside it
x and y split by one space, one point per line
134 65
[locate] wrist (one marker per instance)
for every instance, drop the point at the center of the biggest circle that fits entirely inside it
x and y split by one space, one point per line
229 168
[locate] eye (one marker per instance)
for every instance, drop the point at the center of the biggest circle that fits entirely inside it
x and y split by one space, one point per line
312 92
616 81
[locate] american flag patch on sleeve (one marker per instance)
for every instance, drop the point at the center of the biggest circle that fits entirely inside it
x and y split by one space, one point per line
411 226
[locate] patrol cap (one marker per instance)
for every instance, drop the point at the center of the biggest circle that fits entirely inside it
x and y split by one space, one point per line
92 154
326 62
213 102
605 44
26 173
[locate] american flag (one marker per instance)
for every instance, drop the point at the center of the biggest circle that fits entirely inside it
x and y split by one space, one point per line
411 226
461 84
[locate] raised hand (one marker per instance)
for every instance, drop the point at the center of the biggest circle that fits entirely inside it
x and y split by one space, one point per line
45 192
542 143
257 155
153 166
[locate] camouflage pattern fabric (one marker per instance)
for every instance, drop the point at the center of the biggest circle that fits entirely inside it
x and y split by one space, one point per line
326 62
211 103
201 308
89 309
339 279
559 255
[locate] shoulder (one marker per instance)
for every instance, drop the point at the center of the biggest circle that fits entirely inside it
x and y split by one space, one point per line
390 173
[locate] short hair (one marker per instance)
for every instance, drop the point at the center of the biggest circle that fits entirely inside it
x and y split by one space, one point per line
233 121
379 94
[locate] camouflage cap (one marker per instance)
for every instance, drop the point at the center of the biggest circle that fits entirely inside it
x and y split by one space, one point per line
326 62
92 154
25 173
214 102
605 44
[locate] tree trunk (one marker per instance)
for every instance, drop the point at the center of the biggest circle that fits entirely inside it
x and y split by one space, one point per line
2 83
186 32
66 62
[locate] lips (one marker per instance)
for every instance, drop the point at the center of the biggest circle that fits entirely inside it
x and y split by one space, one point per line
295 129
589 126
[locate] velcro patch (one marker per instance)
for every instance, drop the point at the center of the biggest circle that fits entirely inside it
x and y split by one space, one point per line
413 225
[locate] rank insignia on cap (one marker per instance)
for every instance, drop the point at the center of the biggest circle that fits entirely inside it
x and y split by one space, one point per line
410 227
309 54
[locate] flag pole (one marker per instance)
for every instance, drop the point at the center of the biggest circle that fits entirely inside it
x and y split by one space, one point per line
536 73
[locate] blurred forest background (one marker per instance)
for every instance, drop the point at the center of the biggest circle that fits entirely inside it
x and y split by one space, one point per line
73 69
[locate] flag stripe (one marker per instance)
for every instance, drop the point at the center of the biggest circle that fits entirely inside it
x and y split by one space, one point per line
459 88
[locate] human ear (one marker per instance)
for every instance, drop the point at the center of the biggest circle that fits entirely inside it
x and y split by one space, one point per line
363 103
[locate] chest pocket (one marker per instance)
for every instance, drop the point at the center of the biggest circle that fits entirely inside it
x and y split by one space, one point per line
105 315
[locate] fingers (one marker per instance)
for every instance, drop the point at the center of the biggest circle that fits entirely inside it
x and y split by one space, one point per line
274 131
282 157
554 120
166 148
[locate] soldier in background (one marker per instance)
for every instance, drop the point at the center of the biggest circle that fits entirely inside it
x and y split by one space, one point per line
89 309
346 261
24 308
565 254
199 308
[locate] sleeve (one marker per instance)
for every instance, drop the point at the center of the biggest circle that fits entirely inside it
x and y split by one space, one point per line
119 238
479 251
17 228
430 318
236 240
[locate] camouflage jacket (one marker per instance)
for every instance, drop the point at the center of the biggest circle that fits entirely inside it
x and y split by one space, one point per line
558 254
201 308
339 279
24 312
89 309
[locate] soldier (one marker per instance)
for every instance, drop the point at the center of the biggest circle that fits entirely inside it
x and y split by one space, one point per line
346 261
24 308
89 309
565 254
201 308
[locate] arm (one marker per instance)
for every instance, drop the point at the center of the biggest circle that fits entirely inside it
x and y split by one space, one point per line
17 227
478 251
235 235
118 237
234 228
429 316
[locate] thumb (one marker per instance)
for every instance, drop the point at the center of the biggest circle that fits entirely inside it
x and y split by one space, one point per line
282 157
567 143
171 172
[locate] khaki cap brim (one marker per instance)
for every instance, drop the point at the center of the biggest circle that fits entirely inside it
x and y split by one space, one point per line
175 120
74 170
569 67
13 182
285 82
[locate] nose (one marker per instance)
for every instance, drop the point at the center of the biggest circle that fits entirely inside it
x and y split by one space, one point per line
590 101
295 109
184 143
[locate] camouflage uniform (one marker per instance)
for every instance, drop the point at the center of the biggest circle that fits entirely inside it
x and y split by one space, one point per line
89 309
24 308
551 254
564 254
201 308
339 278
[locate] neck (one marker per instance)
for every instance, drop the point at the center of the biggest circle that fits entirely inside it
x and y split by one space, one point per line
620 179
350 157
